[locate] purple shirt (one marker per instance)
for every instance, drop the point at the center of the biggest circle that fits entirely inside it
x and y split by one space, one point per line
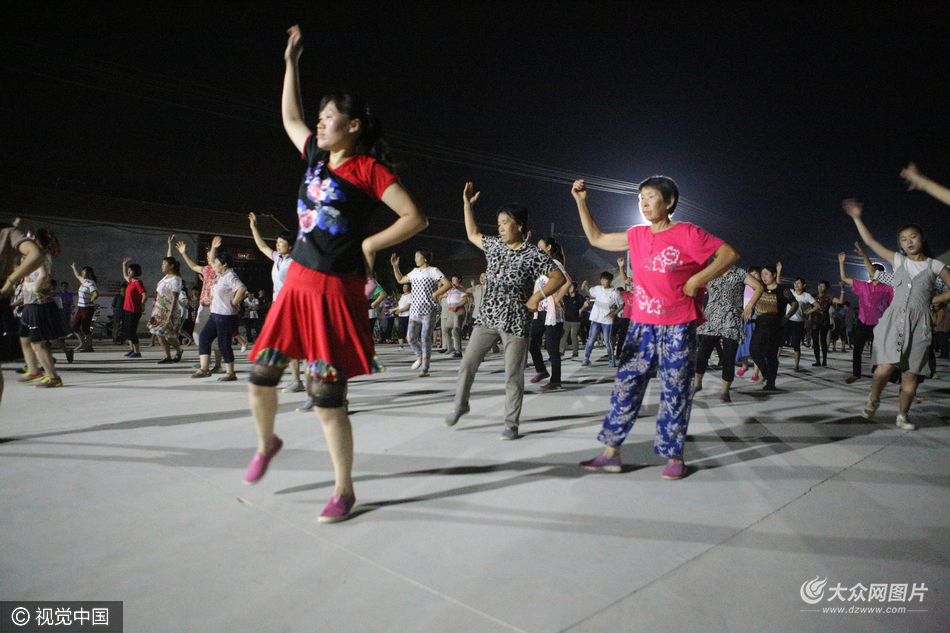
872 300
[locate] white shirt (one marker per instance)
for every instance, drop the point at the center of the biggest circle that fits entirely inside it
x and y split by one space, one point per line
915 268
804 302
278 273
603 300
86 289
225 288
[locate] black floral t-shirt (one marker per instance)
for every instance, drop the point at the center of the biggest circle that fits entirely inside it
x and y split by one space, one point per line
509 283
724 306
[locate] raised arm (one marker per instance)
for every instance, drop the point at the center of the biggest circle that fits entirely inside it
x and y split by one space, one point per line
170 240
471 229
615 242
839 300
778 272
76 273
125 268
181 246
916 180
725 256
854 209
623 271
291 105
400 278
409 222
213 251
33 258
844 277
867 261
261 244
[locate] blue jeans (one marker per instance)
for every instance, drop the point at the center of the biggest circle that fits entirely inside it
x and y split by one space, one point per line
596 327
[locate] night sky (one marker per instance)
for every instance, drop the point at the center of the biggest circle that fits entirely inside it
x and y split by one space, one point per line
766 117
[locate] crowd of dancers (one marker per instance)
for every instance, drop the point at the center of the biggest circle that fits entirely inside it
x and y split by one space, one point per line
680 297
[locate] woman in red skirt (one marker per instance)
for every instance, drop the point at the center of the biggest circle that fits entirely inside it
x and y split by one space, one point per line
320 313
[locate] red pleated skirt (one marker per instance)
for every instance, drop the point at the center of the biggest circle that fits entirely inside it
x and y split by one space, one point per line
323 317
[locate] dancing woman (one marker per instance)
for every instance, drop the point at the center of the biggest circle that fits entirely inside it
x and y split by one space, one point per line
165 321
873 299
775 305
320 313
428 284
134 305
82 320
725 324
903 335
548 322
821 324
512 266
14 245
668 261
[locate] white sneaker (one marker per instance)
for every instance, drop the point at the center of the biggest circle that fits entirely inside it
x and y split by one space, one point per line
294 387
870 408
903 423
417 364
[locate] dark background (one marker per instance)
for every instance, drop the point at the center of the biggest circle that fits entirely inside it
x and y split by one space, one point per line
766 114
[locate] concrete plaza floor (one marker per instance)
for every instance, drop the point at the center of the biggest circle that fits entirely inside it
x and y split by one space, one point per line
126 484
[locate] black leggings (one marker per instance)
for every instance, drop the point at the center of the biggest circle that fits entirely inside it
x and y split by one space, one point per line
819 338
552 343
132 326
727 357
766 339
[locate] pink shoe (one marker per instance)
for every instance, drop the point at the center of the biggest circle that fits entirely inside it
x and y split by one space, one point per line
604 463
741 372
674 470
540 377
754 379
258 466
338 509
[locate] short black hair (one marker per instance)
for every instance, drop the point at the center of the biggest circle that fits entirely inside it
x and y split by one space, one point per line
607 275
287 236
667 188
223 257
426 254
135 270
517 213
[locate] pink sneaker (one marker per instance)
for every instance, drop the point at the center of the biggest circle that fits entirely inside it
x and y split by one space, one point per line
604 463
258 466
741 372
754 379
338 509
674 470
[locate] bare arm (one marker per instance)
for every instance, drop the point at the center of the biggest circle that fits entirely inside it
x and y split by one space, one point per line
188 261
444 286
555 281
239 297
623 271
261 244
125 268
854 209
725 257
379 299
76 273
400 278
916 180
565 287
170 240
471 229
409 222
615 242
33 258
943 298
844 277
291 105
792 309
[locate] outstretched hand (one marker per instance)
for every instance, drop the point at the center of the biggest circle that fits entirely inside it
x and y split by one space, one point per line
620 262
181 246
216 241
579 190
858 249
468 197
911 176
253 219
294 44
126 260
394 259
853 208
841 257
170 238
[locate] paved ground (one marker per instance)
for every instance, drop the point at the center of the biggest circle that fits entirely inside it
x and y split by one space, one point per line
126 485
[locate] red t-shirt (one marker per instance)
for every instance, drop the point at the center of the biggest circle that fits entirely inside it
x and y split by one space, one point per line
133 296
662 263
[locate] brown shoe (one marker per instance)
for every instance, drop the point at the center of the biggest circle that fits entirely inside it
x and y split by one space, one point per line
201 374
228 377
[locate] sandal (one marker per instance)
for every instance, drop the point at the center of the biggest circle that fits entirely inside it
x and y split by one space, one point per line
228 377
201 373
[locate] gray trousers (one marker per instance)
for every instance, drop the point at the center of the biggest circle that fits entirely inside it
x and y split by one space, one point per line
452 331
516 356
571 333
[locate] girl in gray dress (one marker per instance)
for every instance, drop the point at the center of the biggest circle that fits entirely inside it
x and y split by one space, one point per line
902 337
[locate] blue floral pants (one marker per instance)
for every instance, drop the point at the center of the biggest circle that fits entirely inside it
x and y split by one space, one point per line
666 351
421 329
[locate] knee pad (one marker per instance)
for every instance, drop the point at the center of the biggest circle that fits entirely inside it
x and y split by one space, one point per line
327 395
266 375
